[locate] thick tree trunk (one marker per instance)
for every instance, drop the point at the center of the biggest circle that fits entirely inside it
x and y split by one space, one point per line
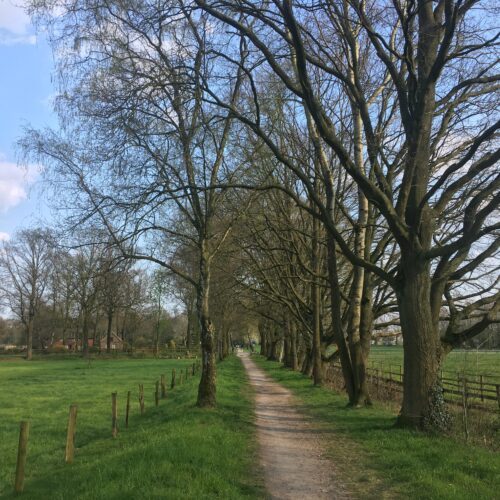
263 340
352 356
423 404
207 386
273 350
358 356
308 365
338 331
290 345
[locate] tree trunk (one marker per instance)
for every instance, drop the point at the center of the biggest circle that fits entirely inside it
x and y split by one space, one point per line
189 325
108 331
85 334
316 308
207 386
423 404
358 358
225 344
272 350
279 350
308 365
286 345
365 332
293 346
220 355
338 331
263 340
29 339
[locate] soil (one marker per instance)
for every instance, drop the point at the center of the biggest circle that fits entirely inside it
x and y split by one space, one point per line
292 455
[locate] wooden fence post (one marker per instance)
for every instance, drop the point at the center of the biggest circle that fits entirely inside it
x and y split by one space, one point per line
498 394
193 369
157 393
141 398
114 415
70 437
172 384
127 410
465 406
21 456
481 387
163 387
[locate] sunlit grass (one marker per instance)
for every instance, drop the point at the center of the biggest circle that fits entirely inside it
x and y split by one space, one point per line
173 451
470 361
380 461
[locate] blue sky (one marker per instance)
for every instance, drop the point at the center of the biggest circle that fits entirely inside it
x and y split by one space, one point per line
26 65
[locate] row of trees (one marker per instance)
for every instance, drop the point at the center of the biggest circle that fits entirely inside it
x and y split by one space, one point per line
60 297
334 162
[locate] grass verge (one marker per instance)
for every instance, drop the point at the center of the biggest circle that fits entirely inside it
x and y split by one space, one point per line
377 460
174 451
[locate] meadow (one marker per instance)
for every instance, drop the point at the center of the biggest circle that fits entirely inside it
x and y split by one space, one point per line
174 451
471 361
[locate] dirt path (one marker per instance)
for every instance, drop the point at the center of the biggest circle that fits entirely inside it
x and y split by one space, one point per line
291 453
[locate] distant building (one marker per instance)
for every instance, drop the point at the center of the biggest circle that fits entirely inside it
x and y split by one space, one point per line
116 343
9 347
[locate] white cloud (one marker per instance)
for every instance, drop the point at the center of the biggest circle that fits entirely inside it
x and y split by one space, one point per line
13 18
7 38
4 236
15 27
14 182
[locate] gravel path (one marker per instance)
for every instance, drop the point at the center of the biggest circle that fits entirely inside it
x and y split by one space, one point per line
291 454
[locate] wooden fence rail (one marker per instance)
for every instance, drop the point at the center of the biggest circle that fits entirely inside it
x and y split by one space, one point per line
162 352
480 391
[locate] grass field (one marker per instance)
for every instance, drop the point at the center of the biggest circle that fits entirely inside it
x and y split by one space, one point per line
173 451
470 361
377 460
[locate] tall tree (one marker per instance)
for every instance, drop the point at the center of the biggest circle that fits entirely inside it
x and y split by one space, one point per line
426 96
150 153
25 266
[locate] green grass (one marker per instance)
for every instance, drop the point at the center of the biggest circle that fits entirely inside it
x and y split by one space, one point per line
380 461
470 361
173 451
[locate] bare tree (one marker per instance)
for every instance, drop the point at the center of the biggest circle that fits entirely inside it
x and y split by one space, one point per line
25 267
151 153
424 91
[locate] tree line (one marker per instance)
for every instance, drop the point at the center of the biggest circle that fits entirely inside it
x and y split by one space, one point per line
329 168
80 298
